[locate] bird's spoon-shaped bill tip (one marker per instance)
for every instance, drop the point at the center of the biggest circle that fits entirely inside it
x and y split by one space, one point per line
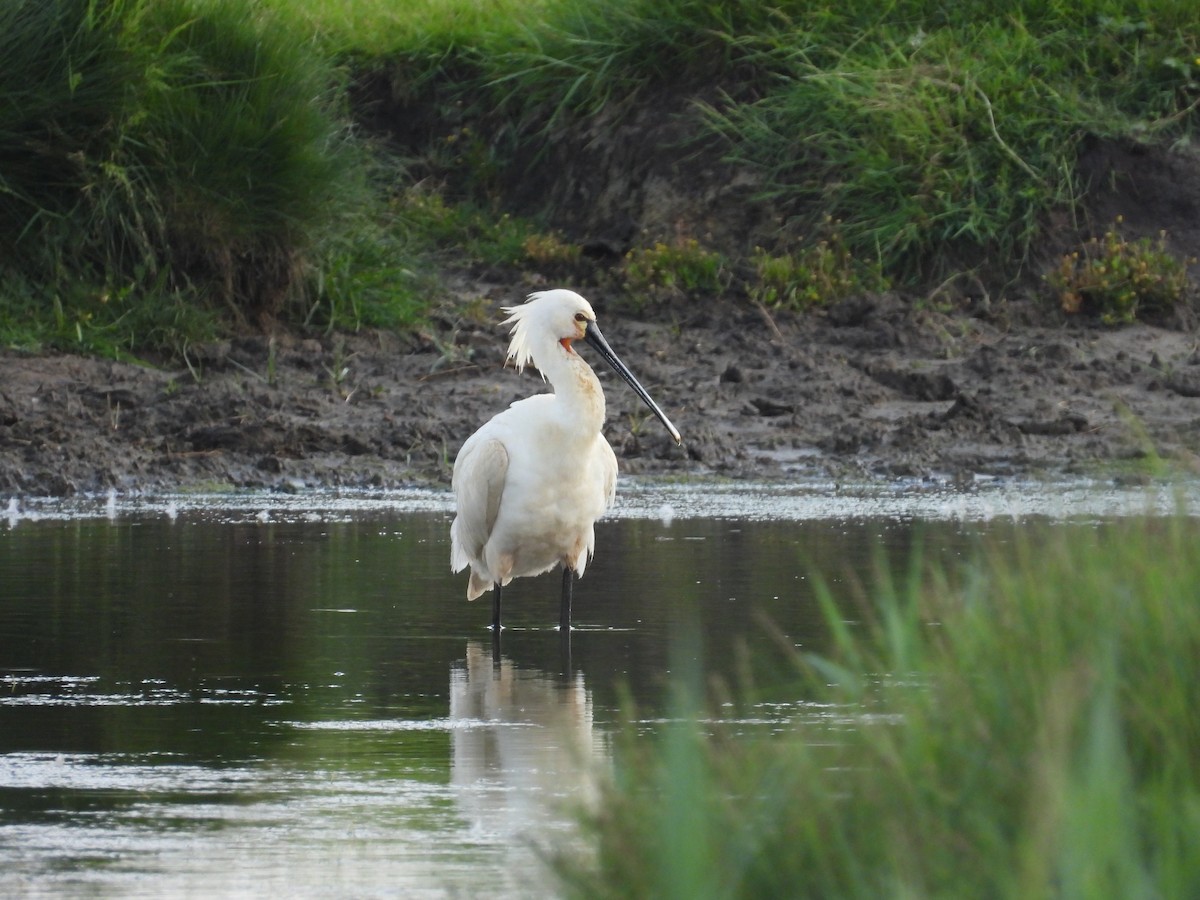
596 339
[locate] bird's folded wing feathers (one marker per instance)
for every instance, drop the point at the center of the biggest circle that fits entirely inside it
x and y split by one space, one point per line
479 475
610 473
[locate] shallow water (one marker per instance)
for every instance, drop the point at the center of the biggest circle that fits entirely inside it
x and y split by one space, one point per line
267 695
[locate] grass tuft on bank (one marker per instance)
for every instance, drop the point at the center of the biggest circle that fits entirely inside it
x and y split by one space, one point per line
1021 727
165 164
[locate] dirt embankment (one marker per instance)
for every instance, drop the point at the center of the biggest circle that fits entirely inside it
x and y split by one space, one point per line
955 384
868 387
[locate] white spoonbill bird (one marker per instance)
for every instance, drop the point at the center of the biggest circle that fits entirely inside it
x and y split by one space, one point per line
532 481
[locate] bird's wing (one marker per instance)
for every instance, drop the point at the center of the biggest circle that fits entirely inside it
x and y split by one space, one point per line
610 473
479 476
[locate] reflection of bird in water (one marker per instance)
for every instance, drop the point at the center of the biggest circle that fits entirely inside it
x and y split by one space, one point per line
530 483
523 745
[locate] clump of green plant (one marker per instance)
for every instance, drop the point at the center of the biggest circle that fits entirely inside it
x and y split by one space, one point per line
368 274
1022 727
465 230
473 234
548 249
122 321
676 269
819 273
1118 280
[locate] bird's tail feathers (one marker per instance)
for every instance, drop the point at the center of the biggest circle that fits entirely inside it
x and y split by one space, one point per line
477 586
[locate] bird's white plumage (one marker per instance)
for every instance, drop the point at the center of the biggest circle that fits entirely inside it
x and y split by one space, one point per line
531 482
528 326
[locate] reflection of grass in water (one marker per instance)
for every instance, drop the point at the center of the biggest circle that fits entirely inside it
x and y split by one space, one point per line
1026 727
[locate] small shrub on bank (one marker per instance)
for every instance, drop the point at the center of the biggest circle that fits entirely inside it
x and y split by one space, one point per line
551 250
817 274
1120 280
476 235
683 267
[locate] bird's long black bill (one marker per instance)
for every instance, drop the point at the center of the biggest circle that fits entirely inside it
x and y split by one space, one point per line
596 339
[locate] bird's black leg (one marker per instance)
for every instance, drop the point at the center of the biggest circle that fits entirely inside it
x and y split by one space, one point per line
564 612
496 609
564 652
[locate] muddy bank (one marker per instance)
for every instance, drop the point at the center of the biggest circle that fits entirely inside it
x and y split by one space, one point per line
866 388
978 375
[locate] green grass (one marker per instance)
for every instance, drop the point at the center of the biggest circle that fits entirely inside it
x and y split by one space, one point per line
1022 727
165 164
243 140
383 28
943 149
195 159
942 136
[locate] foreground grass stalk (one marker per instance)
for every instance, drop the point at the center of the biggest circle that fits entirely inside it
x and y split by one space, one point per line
1023 727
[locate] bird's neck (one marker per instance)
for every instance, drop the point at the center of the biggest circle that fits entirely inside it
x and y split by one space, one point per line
578 389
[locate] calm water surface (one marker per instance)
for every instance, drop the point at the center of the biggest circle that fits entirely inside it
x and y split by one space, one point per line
288 695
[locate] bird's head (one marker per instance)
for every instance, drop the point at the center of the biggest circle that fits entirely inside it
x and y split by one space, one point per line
544 319
560 317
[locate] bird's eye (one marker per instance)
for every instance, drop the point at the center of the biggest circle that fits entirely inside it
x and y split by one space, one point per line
580 317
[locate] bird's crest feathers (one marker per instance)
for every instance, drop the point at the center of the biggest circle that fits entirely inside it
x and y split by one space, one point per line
520 348
537 315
